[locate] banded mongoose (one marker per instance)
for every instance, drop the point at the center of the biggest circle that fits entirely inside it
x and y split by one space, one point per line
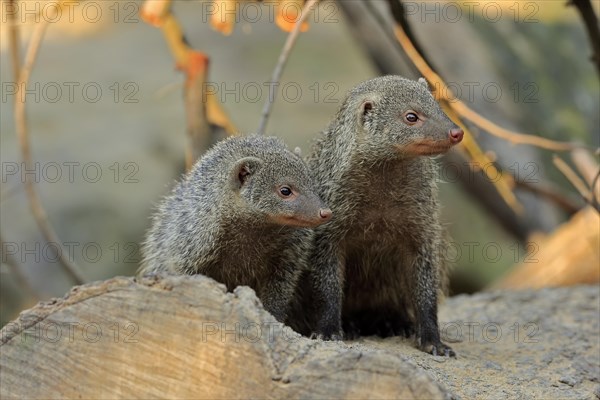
378 265
241 216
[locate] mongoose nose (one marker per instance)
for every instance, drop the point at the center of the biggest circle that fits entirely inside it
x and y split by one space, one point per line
455 135
325 214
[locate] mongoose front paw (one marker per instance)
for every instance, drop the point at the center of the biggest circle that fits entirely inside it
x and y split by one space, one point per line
333 337
438 349
327 335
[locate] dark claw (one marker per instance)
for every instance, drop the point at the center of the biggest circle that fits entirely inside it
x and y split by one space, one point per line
333 336
328 334
439 349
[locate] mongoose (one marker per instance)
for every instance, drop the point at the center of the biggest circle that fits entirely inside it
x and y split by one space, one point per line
241 216
378 265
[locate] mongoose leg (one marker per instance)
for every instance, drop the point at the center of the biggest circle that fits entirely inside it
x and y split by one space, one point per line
279 289
327 291
425 305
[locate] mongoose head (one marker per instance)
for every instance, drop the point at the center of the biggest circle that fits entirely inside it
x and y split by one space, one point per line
276 187
399 116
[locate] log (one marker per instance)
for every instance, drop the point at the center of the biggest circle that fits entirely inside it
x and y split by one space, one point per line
186 337
568 256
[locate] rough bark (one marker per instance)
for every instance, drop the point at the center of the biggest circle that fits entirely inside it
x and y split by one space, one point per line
186 337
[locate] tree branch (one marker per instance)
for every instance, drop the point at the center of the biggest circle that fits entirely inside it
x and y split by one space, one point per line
13 33
465 111
22 133
590 21
550 193
576 181
373 29
205 120
283 57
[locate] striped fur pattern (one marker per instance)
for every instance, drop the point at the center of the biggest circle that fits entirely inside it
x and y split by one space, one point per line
377 268
225 219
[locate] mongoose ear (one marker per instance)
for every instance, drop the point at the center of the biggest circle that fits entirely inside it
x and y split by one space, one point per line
366 107
244 169
298 152
424 82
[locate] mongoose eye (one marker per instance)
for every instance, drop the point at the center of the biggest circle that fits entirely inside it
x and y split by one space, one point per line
411 118
285 191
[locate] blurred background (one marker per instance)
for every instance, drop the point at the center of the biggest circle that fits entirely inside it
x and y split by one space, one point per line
106 118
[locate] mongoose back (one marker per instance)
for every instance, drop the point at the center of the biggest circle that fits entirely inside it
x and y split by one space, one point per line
378 265
241 216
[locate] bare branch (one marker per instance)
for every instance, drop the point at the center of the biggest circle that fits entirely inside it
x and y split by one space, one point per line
595 188
14 39
586 165
465 111
589 170
550 193
374 31
576 181
22 133
283 57
502 183
205 119
590 20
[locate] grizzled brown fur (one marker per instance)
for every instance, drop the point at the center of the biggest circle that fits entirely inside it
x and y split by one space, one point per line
242 215
377 268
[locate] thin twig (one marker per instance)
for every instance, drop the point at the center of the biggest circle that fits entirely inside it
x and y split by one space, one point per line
575 180
206 121
398 12
14 40
442 90
22 133
283 57
589 170
195 66
590 20
586 165
16 271
595 188
550 193
504 186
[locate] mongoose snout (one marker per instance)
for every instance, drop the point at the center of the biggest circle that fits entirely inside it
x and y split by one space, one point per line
325 214
455 135
304 221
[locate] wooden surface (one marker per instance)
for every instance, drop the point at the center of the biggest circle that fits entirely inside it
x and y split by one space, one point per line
185 337
568 256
